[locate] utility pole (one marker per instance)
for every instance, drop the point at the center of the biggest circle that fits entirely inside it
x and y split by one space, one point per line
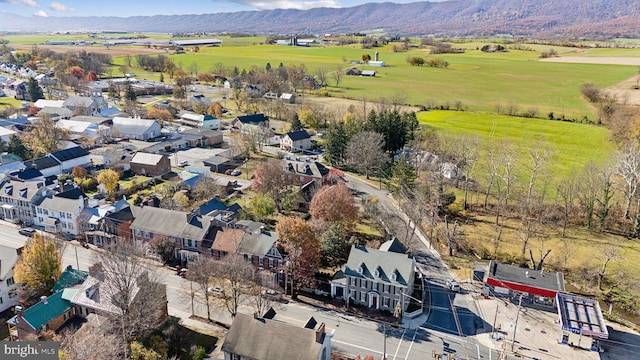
513 341
384 352
493 329
77 262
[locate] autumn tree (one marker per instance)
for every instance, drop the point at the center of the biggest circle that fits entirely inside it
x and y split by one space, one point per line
270 178
77 72
162 115
109 179
45 137
365 152
39 266
206 188
215 109
78 172
303 252
261 207
335 203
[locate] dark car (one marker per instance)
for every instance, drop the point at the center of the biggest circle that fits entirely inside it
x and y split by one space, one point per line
26 231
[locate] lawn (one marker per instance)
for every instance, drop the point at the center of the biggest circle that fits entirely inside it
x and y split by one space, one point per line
573 145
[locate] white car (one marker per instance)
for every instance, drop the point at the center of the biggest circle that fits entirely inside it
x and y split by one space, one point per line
183 163
216 290
453 285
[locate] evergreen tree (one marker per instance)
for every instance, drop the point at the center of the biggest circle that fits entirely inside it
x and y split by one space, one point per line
295 122
336 142
112 91
34 90
268 66
130 94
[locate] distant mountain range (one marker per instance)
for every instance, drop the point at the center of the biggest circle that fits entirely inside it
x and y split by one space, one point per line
565 18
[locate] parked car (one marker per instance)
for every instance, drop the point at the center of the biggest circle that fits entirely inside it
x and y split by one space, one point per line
26 231
272 294
182 272
236 172
215 290
183 163
453 285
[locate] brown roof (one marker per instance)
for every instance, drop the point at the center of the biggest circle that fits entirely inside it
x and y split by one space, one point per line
228 240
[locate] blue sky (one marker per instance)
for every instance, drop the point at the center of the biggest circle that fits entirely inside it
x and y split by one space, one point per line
160 7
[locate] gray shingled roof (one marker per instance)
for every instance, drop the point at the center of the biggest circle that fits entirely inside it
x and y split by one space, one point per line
266 339
146 158
385 262
516 274
257 244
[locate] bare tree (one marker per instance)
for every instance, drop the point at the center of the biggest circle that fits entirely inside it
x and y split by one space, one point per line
90 343
138 299
231 273
201 275
605 196
365 152
628 171
259 292
610 253
567 189
463 152
338 74
321 75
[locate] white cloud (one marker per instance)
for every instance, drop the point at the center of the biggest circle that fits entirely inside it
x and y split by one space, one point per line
288 4
40 13
26 2
58 6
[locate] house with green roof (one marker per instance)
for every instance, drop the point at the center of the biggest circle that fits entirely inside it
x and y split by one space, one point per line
51 312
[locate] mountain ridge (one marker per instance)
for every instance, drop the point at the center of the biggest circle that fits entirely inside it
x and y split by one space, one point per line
585 18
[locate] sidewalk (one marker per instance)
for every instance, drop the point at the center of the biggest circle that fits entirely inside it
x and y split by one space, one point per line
338 305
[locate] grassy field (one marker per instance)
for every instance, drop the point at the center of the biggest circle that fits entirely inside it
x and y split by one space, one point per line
573 145
479 80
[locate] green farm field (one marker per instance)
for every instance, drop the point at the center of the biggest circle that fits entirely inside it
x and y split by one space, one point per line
573 145
479 80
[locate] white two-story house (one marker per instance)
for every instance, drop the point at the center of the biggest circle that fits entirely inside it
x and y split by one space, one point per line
60 213
8 289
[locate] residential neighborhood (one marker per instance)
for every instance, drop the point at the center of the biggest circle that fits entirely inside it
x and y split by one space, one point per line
161 199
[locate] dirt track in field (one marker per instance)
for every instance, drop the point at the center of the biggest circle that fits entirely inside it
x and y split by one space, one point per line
594 60
112 50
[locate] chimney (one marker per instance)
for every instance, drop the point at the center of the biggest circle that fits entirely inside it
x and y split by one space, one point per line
255 315
320 333
43 299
